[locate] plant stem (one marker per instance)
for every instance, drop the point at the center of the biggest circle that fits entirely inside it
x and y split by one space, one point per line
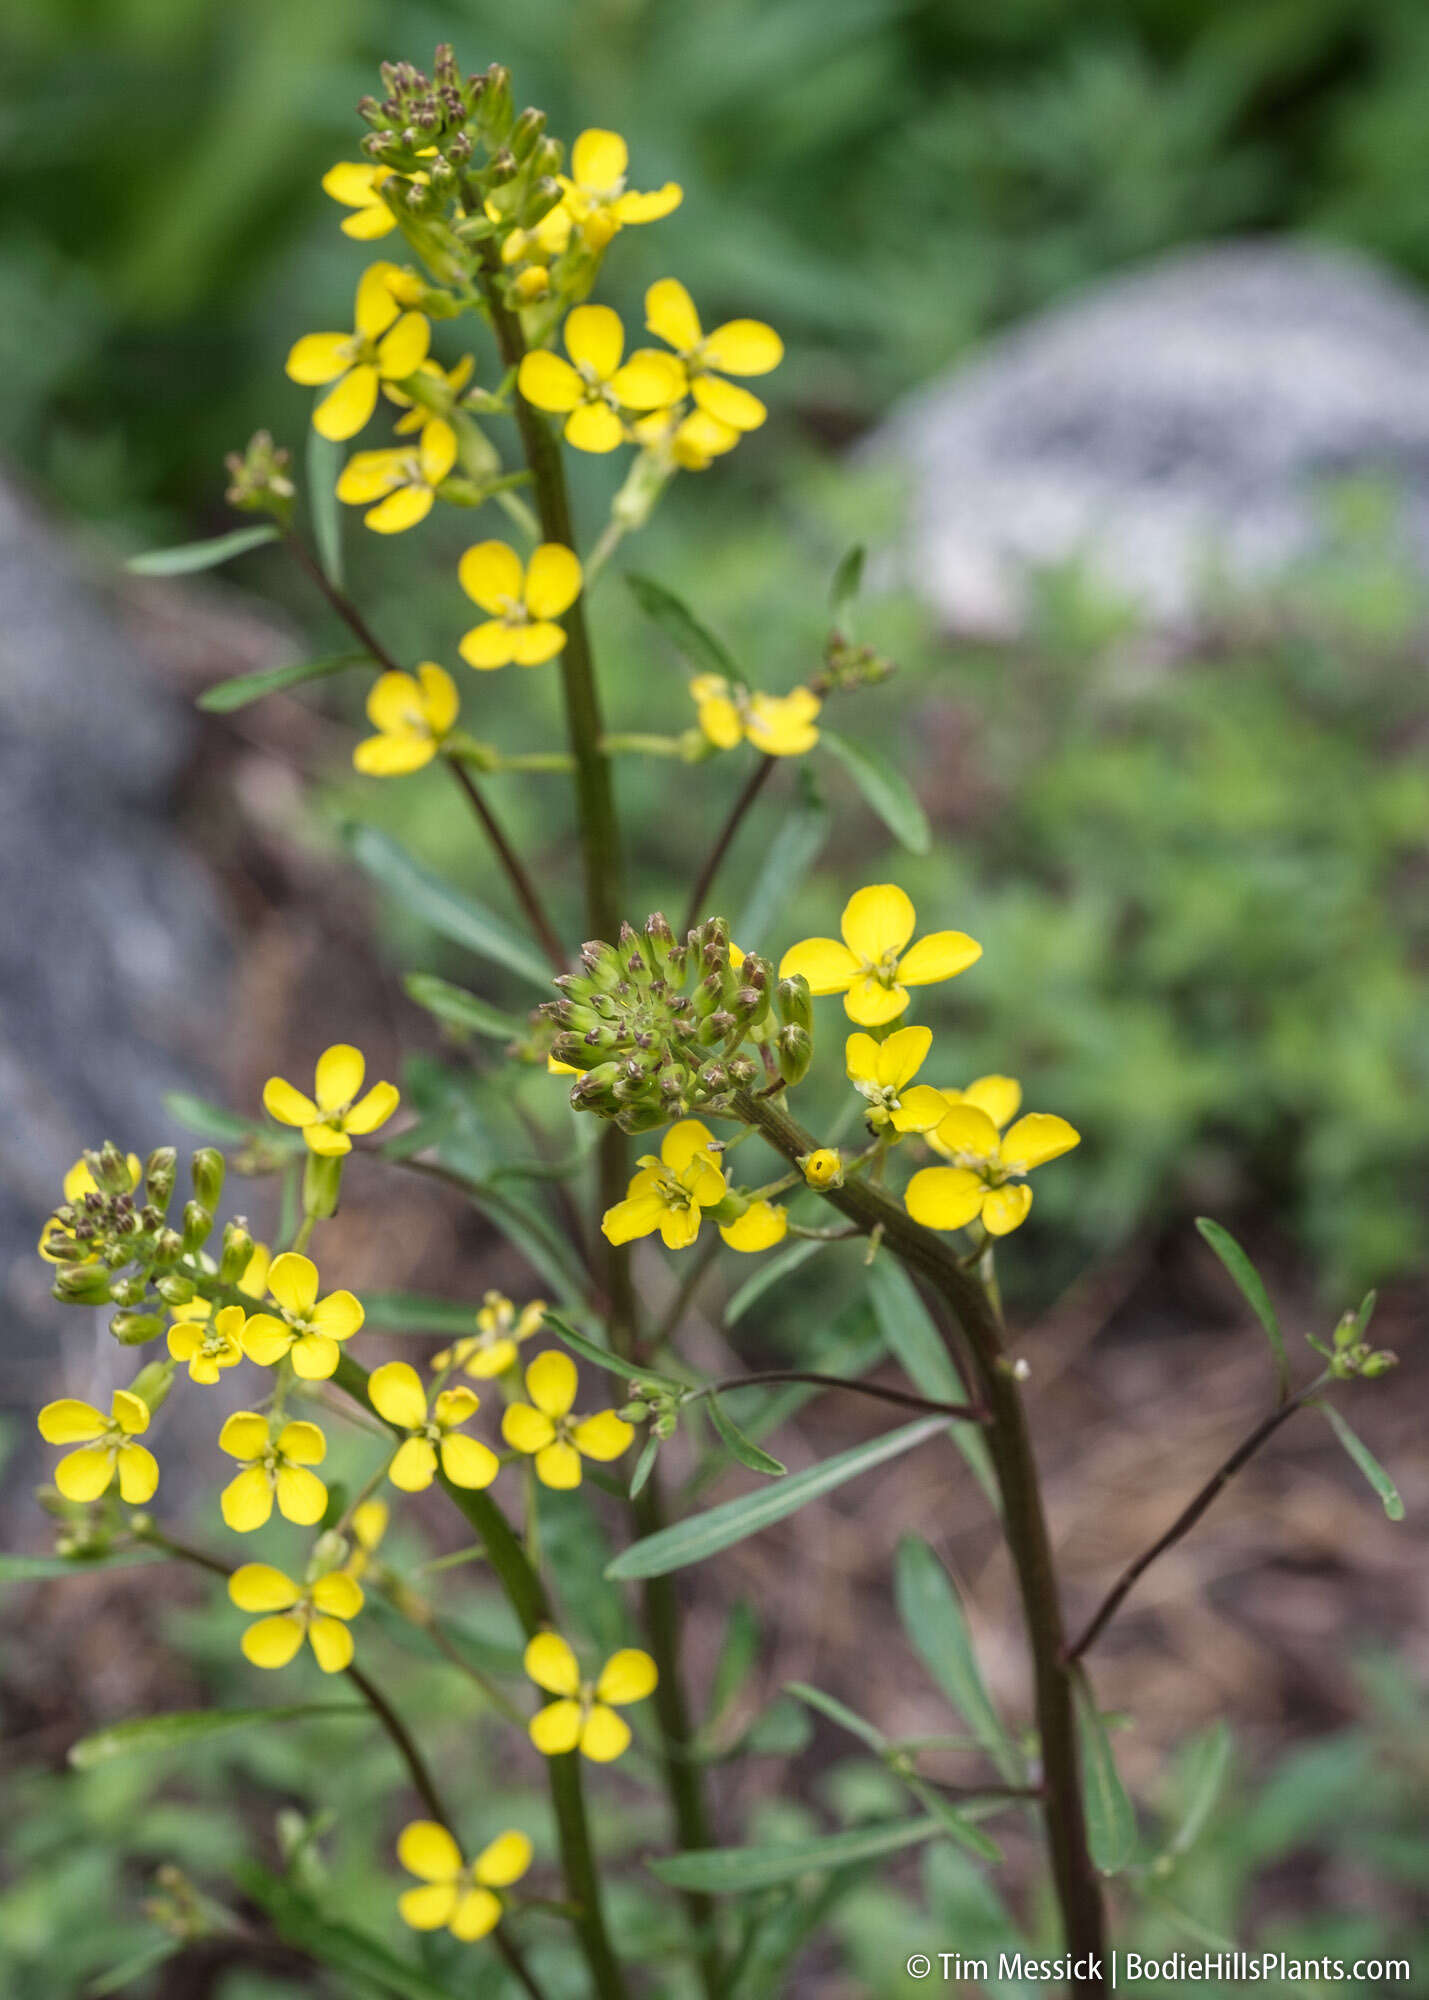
1187 1518
958 1291
903 1398
754 785
524 888
341 603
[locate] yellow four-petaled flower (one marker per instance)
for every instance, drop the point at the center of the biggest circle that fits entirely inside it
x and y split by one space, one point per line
883 1072
413 714
873 967
524 602
592 389
596 197
301 1327
401 479
739 347
457 1895
671 1193
779 725
584 1716
500 1329
106 1447
335 1109
433 1435
386 345
546 1431
987 1180
274 1466
316 1611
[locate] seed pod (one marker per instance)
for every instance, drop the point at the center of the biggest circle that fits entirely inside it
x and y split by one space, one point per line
322 1184
153 1383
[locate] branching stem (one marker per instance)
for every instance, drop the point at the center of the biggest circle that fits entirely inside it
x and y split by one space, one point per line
754 785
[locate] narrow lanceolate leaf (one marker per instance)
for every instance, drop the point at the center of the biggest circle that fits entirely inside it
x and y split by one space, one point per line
456 915
414 1312
885 790
934 1620
213 1121
697 646
917 1346
225 696
1111 1822
739 1446
778 1268
39 1569
191 556
324 464
612 1363
644 1466
457 1008
1206 1764
815 1698
729 1871
148 1733
956 1820
847 579
1253 1291
704 1535
364 1962
790 855
1368 1464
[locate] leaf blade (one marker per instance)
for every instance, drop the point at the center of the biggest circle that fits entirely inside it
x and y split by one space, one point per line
226 696
884 789
189 557
448 911
913 1339
1368 1464
182 1726
455 1007
739 1446
730 1871
692 641
1251 1286
1111 1822
937 1626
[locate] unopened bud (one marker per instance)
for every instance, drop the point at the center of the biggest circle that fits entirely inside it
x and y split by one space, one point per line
1347 1331
173 1288
168 1248
82 1285
237 1249
133 1329
1379 1363
823 1168
198 1223
526 131
322 1184
159 1173
153 1383
795 1048
796 1008
110 1169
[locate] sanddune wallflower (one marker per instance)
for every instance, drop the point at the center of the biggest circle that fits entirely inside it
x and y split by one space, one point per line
596 197
386 345
317 1611
592 388
77 1183
762 1225
357 184
209 1341
546 1431
873 967
739 347
457 1895
412 714
299 1324
275 1464
500 1329
779 725
670 1193
523 601
335 1109
398 1396
584 1716
106 1447
987 1179
883 1072
401 479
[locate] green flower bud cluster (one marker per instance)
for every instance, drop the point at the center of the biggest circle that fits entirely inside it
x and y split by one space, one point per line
114 1244
1349 1353
847 666
658 1027
652 1402
259 479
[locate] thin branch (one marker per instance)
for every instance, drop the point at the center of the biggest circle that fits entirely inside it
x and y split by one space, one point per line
757 780
521 883
904 1399
1187 1519
694 1274
341 603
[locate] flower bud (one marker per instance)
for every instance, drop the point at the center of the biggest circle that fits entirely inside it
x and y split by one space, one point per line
1379 1363
526 131
153 1383
322 1184
110 1168
133 1329
634 1413
82 1285
198 1222
129 1291
173 1288
795 1048
494 109
546 161
796 1008
666 1426
207 1168
237 1249
823 1168
159 1173
1347 1331
168 1248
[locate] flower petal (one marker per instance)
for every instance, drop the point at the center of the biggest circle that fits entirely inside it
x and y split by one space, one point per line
504 1861
719 719
525 1429
396 1393
902 1055
302 1442
945 1197
332 1644
999 1096
487 646
338 1316
414 1467
940 955
594 337
70 1421
1005 1208
533 645
338 1594
436 452
651 380
594 427
339 1075
599 160
920 1109
347 406
318 358
876 920
633 207
762 1225
727 403
551 1382
247 1501
679 1227
129 1411
315 1357
272 1642
476 1913
744 347
829 967
551 1664
351 181
401 352
376 308
400 511
302 1497
86 1473
260 1587
966 1129
553 580
293 1281
138 1474
605 1735
491 575
670 315
872 1004
549 382
430 1908
627 1676
1037 1138
469 1463
635 1216
369 474
556 1728
440 699
426 1850
603 1437
266 1339
559 1467
685 1141
287 1105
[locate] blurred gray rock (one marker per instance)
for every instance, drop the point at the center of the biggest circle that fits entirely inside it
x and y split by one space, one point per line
112 947
1172 430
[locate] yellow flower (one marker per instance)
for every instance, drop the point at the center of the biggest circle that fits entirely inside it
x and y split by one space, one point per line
779 725
208 1341
692 438
106 1446
596 196
872 967
272 1465
387 345
412 714
988 1177
77 1183
670 1193
762 1225
883 1071
545 1429
301 1326
450 380
460 1895
397 1394
368 1525
524 603
338 1109
823 1167
739 347
317 1611
356 184
591 389
500 1329
402 479
539 246
585 1717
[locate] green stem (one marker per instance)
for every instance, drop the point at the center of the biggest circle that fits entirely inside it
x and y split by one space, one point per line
956 1291
754 785
526 892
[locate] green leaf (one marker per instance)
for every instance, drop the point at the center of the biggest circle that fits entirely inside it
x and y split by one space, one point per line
164 1732
848 579
213 1121
789 857
845 1718
913 1339
957 1821
449 911
737 1659
1205 1763
1368 1464
933 1618
39 1569
697 646
729 1871
764 1279
1111 1822
414 1312
325 460
132 1970
191 556
739 1446
225 696
1252 1290
612 1363
644 1466
704 1535
884 789
345 1950
457 1008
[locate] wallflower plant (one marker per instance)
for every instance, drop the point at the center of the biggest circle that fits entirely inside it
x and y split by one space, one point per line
672 1035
